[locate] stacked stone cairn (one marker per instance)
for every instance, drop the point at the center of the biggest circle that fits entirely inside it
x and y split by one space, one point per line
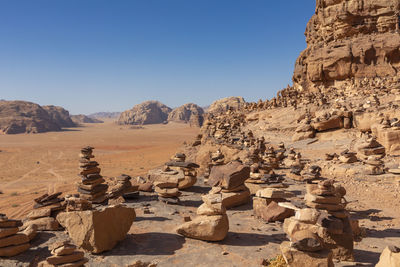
64 254
271 161
92 186
321 232
211 223
371 153
45 211
75 203
166 186
217 159
228 180
348 157
265 204
122 187
13 242
187 168
312 173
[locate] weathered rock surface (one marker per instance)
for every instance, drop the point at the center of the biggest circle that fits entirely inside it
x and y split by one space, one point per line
349 40
98 230
208 228
60 116
224 104
229 176
25 117
185 113
149 112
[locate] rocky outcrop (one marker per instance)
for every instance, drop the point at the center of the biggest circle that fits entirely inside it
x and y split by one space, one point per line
350 44
225 104
60 116
187 113
25 117
78 119
149 112
105 115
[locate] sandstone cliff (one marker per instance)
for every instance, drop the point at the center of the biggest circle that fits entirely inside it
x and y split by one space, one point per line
25 117
224 104
60 116
149 112
186 113
350 43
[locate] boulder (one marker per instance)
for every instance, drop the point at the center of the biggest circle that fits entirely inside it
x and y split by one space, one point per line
149 112
270 212
229 176
207 228
296 258
390 257
185 113
98 230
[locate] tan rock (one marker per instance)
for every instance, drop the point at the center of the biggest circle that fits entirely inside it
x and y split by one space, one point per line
39 213
57 260
16 239
274 193
307 215
322 199
390 257
44 224
8 231
187 182
297 258
31 231
98 230
210 210
207 228
14 250
234 199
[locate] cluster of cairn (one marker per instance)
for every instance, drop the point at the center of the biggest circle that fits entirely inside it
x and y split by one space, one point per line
322 231
64 254
228 180
216 159
122 187
188 169
211 223
45 211
265 204
92 186
347 157
12 241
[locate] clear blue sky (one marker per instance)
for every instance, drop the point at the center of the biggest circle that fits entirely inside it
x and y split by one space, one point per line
97 55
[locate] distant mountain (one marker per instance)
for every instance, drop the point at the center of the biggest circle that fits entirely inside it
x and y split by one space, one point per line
27 117
78 119
149 112
190 112
60 116
223 104
105 115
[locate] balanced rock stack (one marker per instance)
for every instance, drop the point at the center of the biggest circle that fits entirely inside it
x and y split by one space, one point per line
64 254
75 203
371 153
265 204
92 186
13 242
188 169
348 157
336 228
311 173
228 180
217 159
258 181
271 161
211 224
45 211
122 187
166 186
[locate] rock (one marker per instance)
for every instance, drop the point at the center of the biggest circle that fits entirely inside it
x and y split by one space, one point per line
271 212
4 232
296 258
39 213
307 215
390 257
306 241
211 210
56 260
31 231
25 117
274 193
234 199
43 224
230 175
16 239
185 113
207 228
14 250
334 122
98 230
224 104
79 119
60 116
149 112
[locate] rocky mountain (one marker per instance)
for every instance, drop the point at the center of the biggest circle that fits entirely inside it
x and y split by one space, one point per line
350 43
59 116
78 119
25 117
103 115
224 104
149 112
186 113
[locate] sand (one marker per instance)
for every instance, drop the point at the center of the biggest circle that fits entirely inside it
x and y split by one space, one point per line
34 164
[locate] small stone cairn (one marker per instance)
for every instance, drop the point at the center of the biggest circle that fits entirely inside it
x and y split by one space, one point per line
265 204
217 159
167 186
45 211
64 254
211 224
13 242
371 153
92 186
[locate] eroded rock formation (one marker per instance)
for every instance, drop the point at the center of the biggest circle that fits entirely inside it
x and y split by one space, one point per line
149 112
186 113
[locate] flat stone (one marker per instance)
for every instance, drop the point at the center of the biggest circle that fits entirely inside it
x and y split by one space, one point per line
10 224
207 228
13 240
322 199
4 232
297 258
11 251
56 260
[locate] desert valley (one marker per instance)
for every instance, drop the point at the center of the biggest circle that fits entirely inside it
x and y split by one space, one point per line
310 177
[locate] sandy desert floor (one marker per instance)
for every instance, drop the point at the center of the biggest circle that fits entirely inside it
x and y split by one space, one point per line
34 164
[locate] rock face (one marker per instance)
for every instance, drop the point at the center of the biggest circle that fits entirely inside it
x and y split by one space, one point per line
60 116
185 113
84 119
98 230
350 43
224 104
149 112
25 117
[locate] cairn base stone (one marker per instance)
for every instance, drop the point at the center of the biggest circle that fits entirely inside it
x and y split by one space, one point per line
207 228
296 258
